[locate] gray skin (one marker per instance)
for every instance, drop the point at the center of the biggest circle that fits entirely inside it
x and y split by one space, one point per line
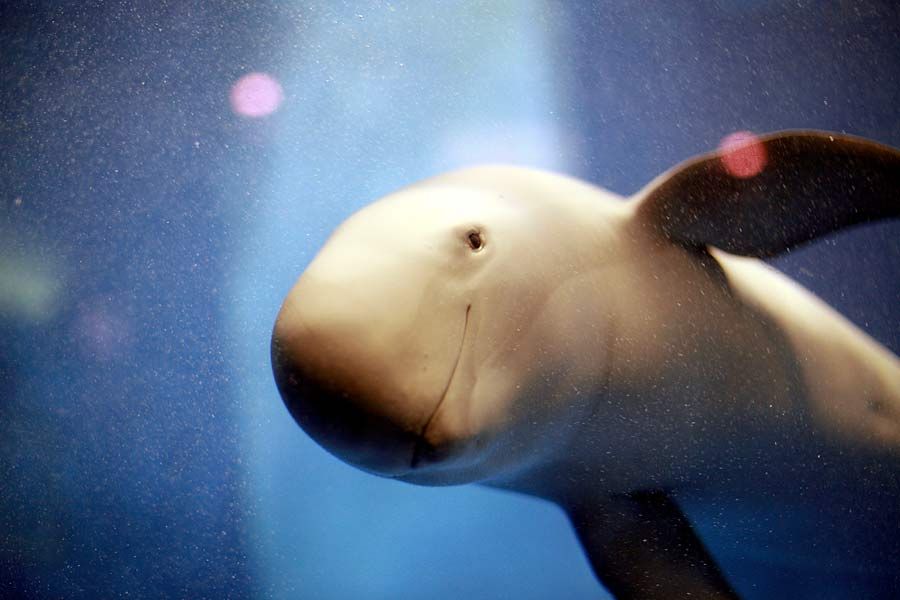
624 359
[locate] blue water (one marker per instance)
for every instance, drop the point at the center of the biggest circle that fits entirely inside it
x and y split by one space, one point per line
149 231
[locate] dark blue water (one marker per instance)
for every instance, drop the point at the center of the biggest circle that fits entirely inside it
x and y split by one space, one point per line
149 229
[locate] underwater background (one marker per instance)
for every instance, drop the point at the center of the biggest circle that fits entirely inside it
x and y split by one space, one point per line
169 168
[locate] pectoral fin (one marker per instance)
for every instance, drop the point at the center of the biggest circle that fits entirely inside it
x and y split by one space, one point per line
805 184
642 546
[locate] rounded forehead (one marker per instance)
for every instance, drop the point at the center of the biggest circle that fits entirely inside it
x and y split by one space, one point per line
433 206
517 200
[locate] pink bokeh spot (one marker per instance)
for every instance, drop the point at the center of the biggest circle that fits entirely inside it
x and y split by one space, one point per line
743 154
102 331
256 95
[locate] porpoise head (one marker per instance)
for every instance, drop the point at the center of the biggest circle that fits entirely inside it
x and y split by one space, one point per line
427 330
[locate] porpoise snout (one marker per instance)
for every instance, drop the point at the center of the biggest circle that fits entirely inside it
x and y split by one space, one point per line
335 379
336 416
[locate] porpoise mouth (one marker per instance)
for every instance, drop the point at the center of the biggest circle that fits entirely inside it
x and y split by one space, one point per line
420 445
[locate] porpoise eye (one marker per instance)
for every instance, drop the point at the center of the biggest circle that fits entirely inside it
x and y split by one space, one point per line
476 242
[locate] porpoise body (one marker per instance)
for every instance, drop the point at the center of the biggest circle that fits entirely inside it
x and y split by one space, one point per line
631 360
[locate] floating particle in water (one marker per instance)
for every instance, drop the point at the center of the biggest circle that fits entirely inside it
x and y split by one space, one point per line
743 154
256 95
